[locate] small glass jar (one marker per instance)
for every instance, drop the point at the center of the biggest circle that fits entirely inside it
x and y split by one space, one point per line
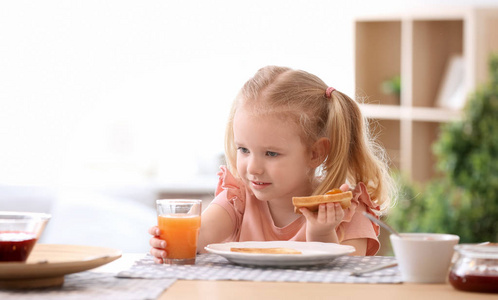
476 268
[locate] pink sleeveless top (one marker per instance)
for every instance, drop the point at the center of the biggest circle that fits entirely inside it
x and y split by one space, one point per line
253 221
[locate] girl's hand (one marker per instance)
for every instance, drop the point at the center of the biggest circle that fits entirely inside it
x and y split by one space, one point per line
321 226
158 245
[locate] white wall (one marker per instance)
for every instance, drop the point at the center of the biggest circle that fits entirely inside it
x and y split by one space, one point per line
114 95
114 92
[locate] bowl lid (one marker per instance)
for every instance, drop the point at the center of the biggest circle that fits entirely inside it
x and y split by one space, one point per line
489 250
13 217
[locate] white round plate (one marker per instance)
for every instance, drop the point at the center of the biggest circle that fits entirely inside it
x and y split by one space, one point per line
313 253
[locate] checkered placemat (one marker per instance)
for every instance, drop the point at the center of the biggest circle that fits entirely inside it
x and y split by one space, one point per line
95 286
215 267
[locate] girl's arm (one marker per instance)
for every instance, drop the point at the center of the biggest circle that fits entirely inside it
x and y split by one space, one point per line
216 226
359 244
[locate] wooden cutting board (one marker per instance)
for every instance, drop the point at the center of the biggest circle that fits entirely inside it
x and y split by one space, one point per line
48 263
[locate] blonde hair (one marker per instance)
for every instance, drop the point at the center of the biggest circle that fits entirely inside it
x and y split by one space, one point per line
300 97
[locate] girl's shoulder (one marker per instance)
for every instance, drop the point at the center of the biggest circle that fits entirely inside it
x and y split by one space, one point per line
229 183
230 192
354 225
227 180
361 201
361 195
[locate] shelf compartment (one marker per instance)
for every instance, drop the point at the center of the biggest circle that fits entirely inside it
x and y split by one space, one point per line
423 159
378 58
394 112
434 43
417 45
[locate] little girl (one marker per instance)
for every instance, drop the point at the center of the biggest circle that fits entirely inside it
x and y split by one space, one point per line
288 135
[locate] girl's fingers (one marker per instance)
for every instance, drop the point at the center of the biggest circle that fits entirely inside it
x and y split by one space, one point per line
344 187
339 212
327 213
154 230
158 254
306 213
323 212
331 211
157 243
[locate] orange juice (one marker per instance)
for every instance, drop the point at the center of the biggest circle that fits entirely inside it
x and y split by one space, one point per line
180 231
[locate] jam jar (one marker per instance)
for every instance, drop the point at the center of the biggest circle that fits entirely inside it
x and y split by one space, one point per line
475 268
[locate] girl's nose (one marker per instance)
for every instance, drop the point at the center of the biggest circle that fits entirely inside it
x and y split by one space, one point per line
254 166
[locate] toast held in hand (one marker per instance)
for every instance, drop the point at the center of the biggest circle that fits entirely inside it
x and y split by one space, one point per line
312 202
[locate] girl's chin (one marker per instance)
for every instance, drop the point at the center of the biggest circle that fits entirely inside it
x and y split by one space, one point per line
265 197
259 195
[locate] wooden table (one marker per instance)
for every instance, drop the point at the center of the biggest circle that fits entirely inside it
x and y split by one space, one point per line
240 290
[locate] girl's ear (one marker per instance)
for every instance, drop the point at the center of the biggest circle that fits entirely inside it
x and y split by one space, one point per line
319 152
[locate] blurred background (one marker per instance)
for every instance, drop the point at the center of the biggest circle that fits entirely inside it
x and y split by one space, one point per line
106 106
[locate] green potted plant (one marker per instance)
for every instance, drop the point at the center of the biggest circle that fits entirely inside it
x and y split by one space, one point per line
392 86
464 199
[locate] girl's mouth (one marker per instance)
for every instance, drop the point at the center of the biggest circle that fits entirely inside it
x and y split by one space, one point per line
259 184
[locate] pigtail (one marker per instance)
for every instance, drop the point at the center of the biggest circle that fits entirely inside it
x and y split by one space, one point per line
353 156
337 128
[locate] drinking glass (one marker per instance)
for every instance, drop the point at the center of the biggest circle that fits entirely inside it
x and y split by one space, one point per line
179 221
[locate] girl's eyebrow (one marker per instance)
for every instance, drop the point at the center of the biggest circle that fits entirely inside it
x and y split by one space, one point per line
266 148
274 148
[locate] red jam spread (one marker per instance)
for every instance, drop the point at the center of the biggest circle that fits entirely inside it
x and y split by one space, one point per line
476 268
16 245
474 283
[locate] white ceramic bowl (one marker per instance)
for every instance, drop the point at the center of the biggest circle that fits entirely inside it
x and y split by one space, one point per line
424 257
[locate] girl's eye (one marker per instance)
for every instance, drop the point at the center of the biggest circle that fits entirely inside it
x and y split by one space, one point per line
271 153
243 150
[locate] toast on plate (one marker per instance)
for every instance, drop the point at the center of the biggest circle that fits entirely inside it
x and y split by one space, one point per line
278 250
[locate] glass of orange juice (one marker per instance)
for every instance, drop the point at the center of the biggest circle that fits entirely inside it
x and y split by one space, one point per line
179 221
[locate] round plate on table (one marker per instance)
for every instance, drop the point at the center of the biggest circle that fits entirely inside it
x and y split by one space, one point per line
48 263
312 253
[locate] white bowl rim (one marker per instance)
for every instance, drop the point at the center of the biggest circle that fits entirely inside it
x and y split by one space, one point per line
23 216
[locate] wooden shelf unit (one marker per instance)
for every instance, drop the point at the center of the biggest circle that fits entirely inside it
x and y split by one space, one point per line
417 47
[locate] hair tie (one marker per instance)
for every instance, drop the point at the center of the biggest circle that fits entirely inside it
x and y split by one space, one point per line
328 92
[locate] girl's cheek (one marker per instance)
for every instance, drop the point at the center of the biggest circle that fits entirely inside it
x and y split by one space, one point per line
240 166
